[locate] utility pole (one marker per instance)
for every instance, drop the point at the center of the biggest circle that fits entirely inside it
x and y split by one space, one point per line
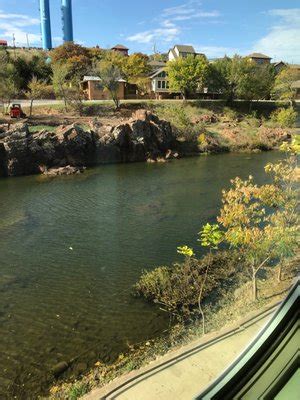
14 45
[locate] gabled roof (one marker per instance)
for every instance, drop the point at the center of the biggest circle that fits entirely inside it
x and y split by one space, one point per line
158 71
119 47
154 63
182 48
259 55
96 79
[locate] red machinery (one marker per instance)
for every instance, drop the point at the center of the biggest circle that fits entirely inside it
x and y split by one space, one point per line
16 111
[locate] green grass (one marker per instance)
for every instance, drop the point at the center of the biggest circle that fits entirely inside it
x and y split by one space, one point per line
78 390
38 128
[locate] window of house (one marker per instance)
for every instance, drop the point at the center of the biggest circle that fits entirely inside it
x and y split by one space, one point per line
159 84
163 84
168 85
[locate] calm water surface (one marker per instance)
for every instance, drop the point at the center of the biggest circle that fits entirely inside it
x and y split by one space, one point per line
72 247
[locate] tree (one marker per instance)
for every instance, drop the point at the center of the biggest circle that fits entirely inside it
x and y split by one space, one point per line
8 86
77 58
283 88
60 83
135 66
37 90
187 75
110 76
244 218
211 237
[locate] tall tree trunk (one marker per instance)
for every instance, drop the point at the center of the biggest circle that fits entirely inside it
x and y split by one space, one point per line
254 288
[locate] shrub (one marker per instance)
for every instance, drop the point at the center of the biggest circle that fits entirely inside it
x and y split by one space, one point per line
177 288
78 390
230 114
284 117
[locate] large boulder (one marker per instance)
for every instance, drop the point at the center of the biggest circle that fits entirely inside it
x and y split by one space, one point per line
141 138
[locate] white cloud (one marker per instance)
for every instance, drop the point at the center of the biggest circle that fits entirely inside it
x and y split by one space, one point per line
169 27
14 24
282 41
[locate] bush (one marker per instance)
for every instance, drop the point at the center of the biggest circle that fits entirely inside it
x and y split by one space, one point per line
284 117
181 120
177 287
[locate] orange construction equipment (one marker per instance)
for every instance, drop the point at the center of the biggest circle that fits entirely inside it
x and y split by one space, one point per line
16 111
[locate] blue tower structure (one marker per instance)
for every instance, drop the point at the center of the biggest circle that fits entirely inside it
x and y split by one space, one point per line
67 20
45 24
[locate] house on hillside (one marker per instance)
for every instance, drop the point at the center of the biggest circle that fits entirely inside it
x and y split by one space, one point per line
120 49
3 43
155 65
159 84
183 51
279 66
259 58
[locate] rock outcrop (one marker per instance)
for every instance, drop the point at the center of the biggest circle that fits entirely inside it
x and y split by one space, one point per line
71 148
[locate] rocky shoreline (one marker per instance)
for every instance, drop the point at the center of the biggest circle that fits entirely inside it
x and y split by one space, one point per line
70 149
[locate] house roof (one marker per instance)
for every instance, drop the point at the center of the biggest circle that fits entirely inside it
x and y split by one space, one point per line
97 79
2 41
296 85
278 63
154 63
158 71
120 47
259 55
182 48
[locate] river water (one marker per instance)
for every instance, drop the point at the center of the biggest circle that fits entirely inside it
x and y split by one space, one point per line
72 247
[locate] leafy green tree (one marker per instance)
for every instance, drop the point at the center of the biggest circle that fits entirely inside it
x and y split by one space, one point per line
60 82
210 237
135 66
36 90
187 75
283 85
110 76
8 86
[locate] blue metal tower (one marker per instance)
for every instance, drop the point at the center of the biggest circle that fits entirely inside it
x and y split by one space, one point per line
45 24
67 20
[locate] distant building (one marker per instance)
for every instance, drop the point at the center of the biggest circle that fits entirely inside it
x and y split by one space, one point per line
3 43
155 65
296 87
93 90
183 51
259 58
120 49
279 66
159 83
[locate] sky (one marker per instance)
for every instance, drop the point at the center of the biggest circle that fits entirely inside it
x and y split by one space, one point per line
213 27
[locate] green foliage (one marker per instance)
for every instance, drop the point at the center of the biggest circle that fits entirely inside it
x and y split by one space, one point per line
77 390
110 76
75 57
211 236
185 251
177 288
284 117
283 85
36 90
187 75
